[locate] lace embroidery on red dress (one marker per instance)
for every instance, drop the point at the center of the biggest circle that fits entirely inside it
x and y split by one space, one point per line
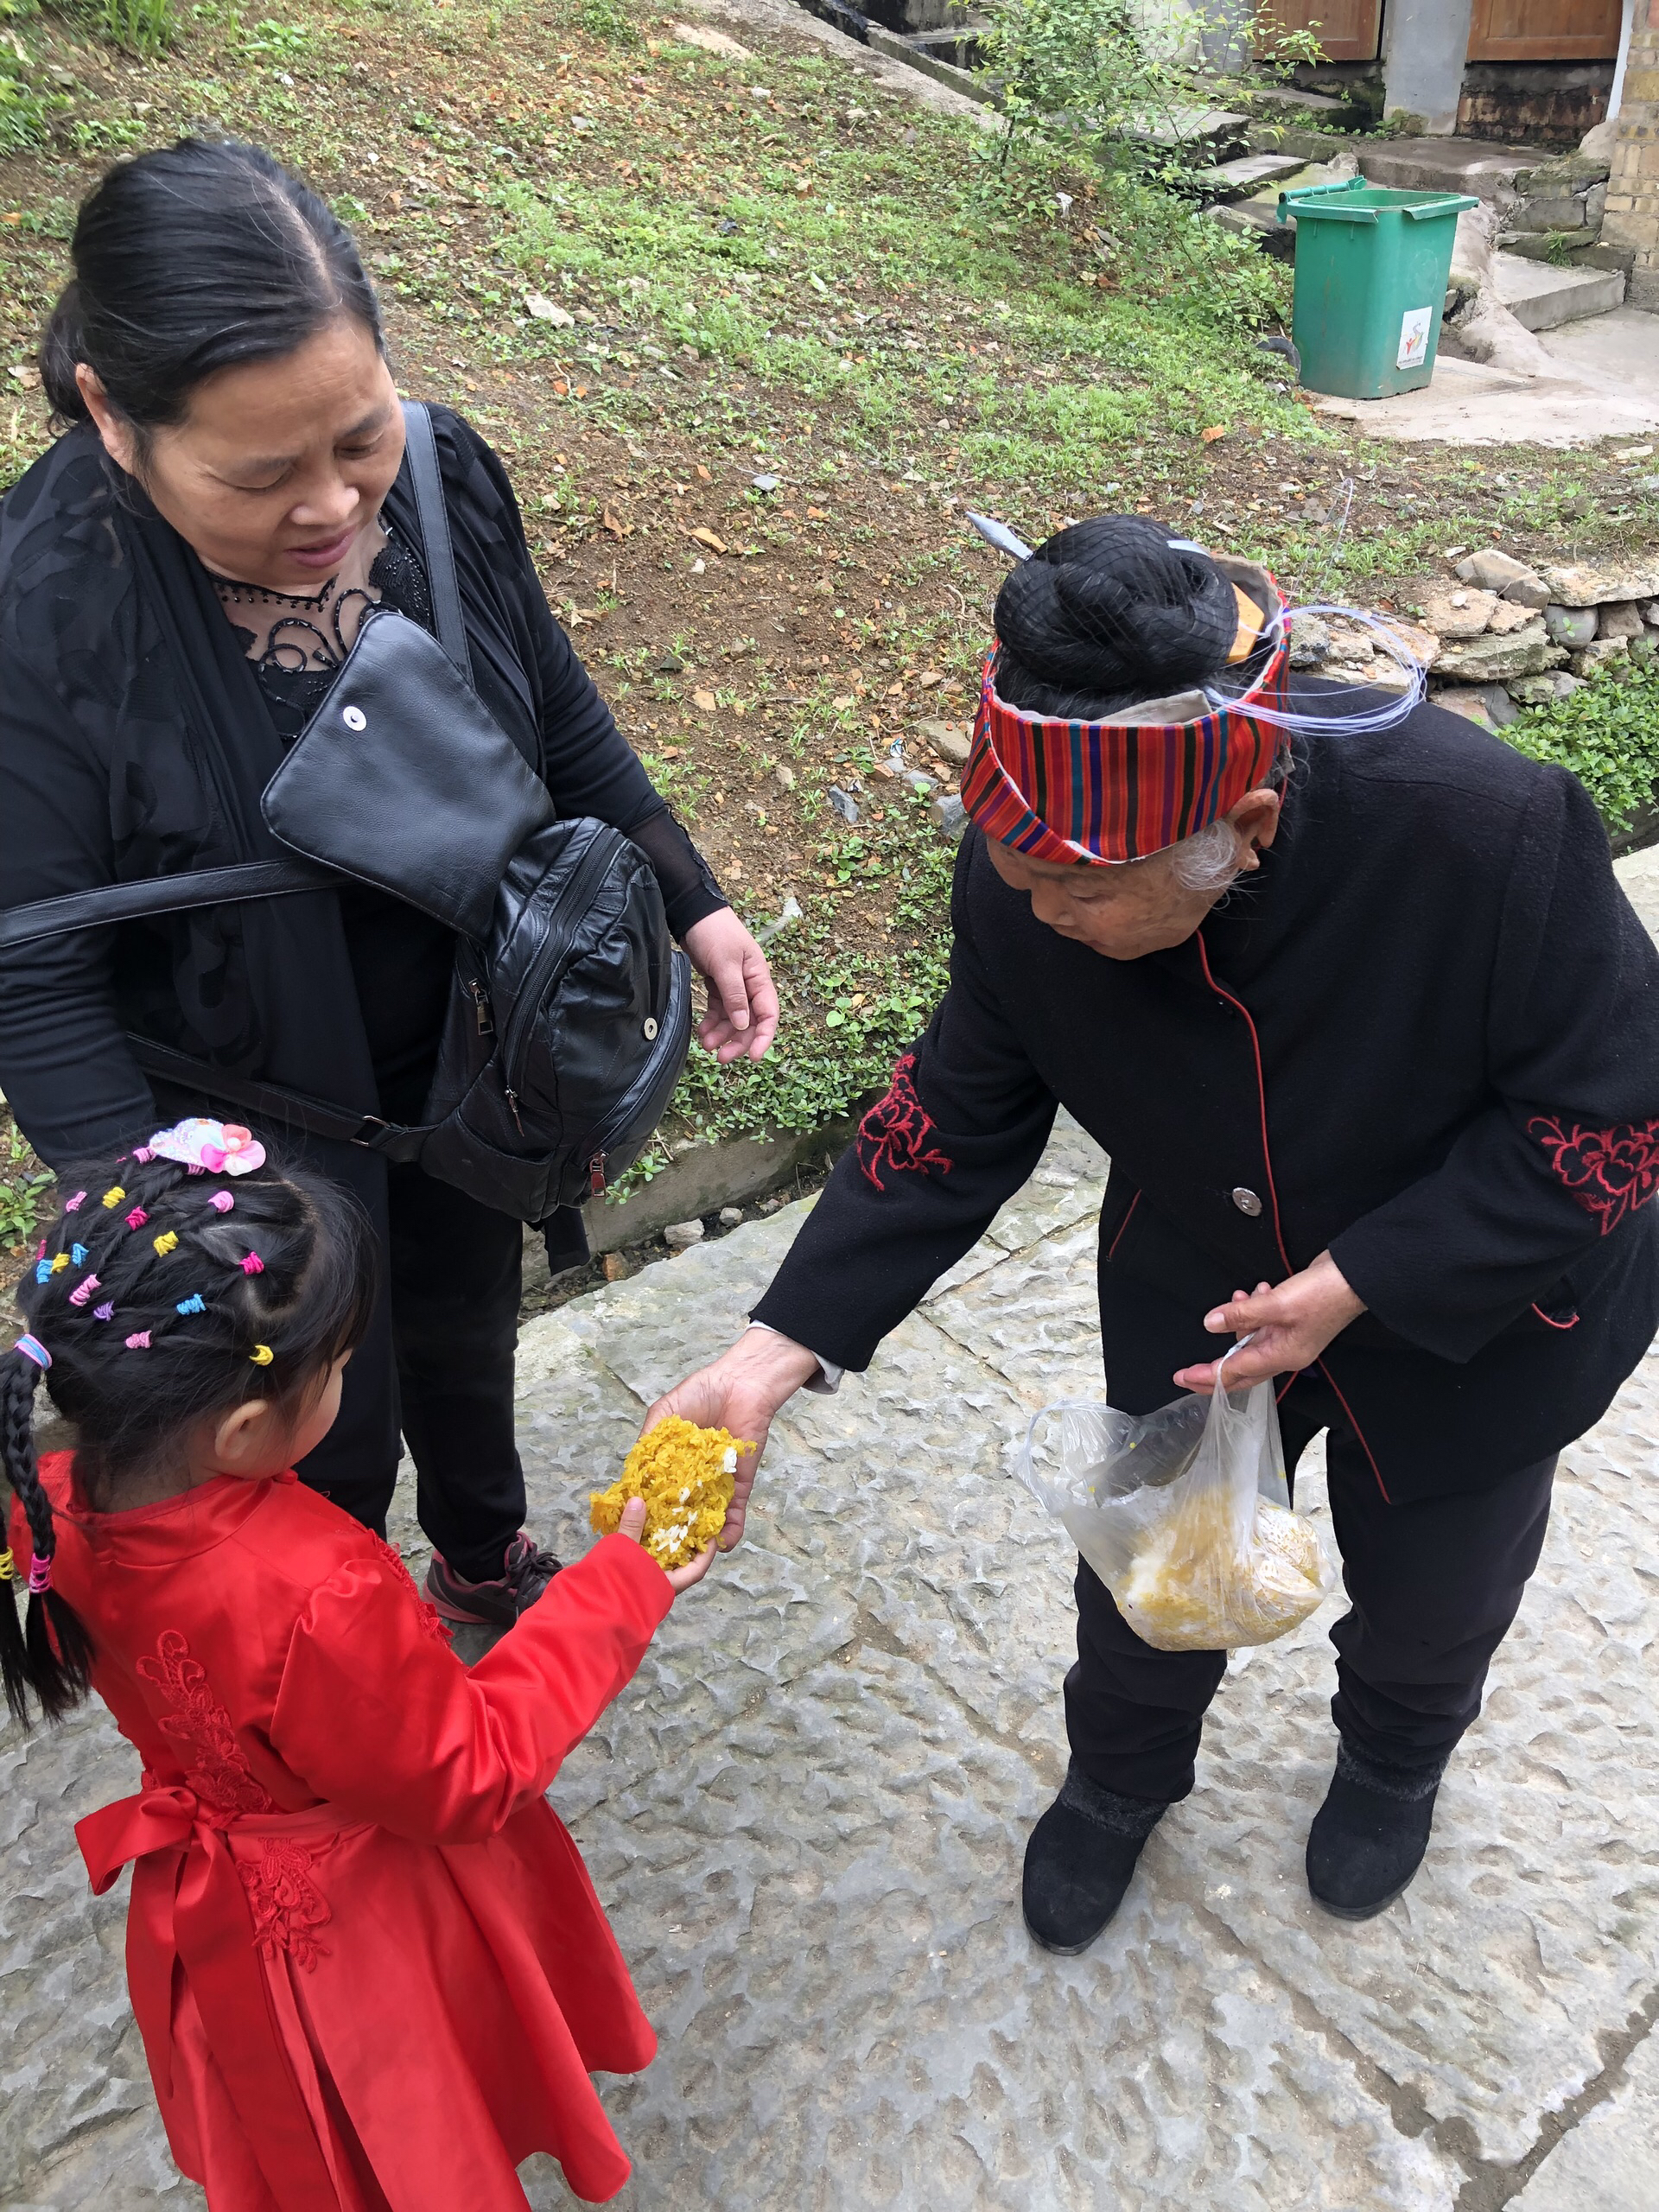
1609 1172
216 1767
894 1133
431 1620
286 1903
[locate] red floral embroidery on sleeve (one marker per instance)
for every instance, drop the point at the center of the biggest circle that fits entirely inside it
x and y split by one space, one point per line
431 1620
894 1133
215 1765
1609 1172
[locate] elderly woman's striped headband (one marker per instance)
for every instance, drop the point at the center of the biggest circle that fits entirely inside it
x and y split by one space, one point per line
1106 792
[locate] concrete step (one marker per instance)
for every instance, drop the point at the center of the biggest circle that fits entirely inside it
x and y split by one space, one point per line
1543 297
1473 165
1249 173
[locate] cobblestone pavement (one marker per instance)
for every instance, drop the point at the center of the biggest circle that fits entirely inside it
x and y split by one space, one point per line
806 1817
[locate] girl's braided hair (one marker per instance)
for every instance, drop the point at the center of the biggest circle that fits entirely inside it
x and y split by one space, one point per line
164 1296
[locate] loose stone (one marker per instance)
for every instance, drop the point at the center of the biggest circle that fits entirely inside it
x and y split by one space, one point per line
1570 626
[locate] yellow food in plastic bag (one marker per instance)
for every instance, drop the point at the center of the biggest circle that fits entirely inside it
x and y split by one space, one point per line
1193 1586
684 1474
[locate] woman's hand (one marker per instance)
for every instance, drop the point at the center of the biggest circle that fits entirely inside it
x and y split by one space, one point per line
741 1391
742 1016
1292 1321
680 1578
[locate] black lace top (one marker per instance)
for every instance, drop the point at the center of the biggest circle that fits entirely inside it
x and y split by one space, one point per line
304 648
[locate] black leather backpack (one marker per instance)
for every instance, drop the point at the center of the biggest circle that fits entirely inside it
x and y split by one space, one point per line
570 1012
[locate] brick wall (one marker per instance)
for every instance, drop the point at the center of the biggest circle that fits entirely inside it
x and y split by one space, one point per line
1632 216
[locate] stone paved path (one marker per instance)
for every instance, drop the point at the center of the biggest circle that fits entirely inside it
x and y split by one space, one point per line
807 1817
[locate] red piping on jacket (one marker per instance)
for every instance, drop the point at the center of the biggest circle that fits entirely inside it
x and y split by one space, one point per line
1549 1319
1121 1226
1273 1193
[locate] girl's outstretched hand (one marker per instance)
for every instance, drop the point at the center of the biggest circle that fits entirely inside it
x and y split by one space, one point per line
680 1578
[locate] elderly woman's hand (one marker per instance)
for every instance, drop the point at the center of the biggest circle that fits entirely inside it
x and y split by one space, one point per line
742 1016
1293 1322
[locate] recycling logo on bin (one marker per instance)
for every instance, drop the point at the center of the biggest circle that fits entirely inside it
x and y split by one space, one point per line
1415 326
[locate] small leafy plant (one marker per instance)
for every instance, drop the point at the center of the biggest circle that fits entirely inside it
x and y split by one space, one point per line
1608 733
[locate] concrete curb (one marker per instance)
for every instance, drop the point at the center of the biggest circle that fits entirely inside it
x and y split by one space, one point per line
710 1176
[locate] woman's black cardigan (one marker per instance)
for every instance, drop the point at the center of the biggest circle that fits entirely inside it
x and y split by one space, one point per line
1425 1035
112 769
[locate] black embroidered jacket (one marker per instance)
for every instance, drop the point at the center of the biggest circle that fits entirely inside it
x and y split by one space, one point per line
1425 1035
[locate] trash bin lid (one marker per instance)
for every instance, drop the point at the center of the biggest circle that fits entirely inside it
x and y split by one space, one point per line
1353 200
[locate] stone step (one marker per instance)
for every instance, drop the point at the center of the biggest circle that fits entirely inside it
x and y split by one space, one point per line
1249 173
1473 165
1543 297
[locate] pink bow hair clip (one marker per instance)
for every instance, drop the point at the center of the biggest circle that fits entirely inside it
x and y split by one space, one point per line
220 1148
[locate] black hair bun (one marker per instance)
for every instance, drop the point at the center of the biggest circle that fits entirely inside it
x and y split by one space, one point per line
1107 612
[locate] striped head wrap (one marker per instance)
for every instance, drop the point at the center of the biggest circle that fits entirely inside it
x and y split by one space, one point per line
1110 791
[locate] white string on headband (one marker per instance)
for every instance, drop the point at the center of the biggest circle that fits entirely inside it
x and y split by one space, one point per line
1388 715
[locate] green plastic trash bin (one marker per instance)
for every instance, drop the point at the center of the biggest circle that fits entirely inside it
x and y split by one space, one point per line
1371 271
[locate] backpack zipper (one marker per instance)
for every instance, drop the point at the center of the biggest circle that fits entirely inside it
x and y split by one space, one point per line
481 1008
552 955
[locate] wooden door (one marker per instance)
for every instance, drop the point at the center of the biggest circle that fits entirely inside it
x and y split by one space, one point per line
1544 30
1348 31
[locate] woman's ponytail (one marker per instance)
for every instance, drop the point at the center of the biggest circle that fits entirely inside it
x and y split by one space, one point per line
52 1656
62 349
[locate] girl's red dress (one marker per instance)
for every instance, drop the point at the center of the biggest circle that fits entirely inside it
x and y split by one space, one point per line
369 1966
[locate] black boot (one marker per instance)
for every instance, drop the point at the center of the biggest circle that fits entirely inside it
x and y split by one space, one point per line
1368 1837
1080 1859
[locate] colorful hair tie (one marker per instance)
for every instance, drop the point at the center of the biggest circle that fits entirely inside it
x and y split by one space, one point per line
105 1313
112 1198
78 1253
137 1217
142 1151
253 1265
140 1342
73 1205
40 1250
61 1261
261 1355
43 1271
221 1202
32 1348
6 1566
166 1243
40 1575
83 1290
194 1304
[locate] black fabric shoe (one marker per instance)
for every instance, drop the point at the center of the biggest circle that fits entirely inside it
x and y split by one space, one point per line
526 1571
1368 1837
1080 1860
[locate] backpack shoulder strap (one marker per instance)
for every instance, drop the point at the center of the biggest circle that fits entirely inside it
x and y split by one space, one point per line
161 895
423 449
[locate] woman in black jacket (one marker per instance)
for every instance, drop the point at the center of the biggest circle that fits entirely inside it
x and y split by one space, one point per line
1403 1079
180 576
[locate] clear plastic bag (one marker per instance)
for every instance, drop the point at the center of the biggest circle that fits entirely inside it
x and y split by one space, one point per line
1184 1514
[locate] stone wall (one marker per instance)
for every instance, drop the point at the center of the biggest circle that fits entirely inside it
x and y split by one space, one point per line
1533 102
1631 216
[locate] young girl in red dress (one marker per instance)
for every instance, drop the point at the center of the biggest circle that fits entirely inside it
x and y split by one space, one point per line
369 1966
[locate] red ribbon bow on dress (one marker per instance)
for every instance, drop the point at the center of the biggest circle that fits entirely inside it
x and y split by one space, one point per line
216 1940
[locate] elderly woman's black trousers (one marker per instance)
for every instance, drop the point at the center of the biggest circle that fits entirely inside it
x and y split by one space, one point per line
1434 1586
436 1363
